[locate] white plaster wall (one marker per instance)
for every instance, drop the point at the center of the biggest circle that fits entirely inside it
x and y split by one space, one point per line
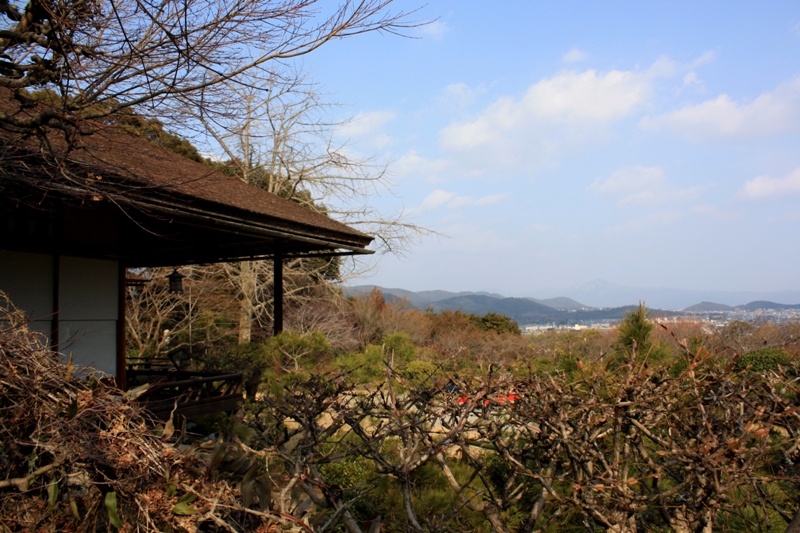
27 279
88 299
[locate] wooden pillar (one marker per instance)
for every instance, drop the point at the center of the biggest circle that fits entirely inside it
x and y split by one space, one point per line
277 293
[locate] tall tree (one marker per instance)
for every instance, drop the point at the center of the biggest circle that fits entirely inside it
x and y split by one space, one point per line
283 141
99 57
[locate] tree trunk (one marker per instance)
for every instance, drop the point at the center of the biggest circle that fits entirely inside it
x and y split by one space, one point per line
248 286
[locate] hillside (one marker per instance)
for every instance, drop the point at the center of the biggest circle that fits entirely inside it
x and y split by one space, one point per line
420 300
761 304
563 303
521 310
524 311
558 310
705 307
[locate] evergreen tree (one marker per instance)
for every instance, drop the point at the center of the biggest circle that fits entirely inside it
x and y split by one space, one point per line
635 330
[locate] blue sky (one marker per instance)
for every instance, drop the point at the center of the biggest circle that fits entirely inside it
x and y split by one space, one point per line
554 143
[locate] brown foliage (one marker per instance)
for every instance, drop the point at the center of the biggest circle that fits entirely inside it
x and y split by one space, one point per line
78 455
374 318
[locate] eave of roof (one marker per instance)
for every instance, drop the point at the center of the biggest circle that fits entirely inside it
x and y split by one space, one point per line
154 180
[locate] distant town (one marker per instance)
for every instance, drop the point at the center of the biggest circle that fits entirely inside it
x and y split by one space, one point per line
713 319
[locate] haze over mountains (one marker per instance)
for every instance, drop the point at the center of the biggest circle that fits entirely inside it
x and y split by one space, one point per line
601 293
595 301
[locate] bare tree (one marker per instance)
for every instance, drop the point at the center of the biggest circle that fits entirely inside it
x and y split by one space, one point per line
158 321
97 57
283 141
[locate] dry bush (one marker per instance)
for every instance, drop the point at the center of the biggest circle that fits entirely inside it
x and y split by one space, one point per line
681 329
453 335
739 337
77 455
587 345
330 317
375 318
634 450
637 449
458 340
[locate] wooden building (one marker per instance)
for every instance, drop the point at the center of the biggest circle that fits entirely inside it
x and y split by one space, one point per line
77 210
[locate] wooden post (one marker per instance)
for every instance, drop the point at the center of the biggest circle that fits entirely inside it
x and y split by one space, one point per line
277 293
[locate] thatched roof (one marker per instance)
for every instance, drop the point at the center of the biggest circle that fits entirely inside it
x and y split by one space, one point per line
198 214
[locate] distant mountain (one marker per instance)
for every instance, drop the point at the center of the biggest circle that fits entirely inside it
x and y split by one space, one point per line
563 303
705 307
761 304
419 300
525 311
563 310
422 298
600 293
560 311
522 310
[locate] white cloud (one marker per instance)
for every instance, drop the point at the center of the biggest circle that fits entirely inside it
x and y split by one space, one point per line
706 57
435 30
440 198
365 123
767 187
560 115
664 67
722 118
643 186
570 97
555 116
633 179
457 96
691 80
587 96
574 56
431 170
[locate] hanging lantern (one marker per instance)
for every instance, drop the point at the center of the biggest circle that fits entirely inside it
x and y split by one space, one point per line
176 282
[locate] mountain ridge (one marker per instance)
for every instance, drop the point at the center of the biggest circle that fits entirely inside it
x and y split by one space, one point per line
556 310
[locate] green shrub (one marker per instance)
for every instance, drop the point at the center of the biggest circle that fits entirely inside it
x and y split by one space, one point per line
294 352
421 373
368 366
567 364
495 322
399 349
364 367
635 329
349 473
678 368
763 360
249 359
352 475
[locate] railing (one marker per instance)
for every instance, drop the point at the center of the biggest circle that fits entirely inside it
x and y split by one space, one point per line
196 393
